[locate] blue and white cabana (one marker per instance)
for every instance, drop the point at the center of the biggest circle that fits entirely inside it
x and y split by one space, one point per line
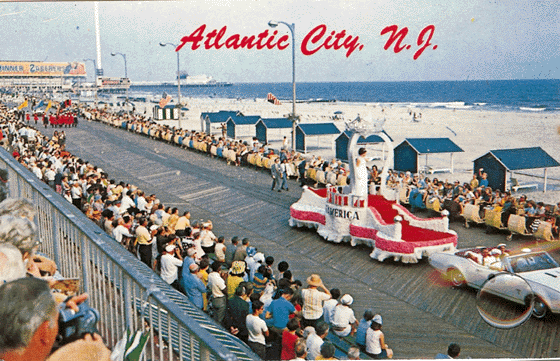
497 163
207 119
280 126
344 138
323 132
239 126
407 154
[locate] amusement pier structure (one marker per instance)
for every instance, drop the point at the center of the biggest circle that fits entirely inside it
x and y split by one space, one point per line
378 221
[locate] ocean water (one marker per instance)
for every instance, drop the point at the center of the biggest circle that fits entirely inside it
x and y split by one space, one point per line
501 95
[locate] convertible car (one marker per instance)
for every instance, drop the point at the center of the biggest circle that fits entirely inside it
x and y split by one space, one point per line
538 269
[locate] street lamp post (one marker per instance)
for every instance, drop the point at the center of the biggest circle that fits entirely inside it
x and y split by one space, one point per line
178 83
125 70
294 119
94 77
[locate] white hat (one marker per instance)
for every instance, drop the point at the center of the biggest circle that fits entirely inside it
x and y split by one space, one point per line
378 319
259 257
154 227
346 300
170 247
496 252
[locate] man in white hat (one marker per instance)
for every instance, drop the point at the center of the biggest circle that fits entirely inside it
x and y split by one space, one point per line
312 309
344 322
171 260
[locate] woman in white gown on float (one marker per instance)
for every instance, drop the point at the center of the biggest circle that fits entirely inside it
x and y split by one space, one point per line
361 174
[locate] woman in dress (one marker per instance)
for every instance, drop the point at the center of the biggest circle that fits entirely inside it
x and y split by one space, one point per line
361 174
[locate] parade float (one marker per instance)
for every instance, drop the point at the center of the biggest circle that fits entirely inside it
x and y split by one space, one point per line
351 214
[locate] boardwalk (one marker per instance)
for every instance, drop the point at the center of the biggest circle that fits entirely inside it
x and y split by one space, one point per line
421 315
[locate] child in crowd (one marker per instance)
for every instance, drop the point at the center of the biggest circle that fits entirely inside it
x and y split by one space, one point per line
375 340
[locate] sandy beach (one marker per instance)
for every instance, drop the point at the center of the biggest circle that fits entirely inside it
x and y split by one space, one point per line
475 131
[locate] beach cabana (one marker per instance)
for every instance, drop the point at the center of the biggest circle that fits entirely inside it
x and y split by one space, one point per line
168 112
265 126
238 126
497 163
323 132
207 119
344 138
407 154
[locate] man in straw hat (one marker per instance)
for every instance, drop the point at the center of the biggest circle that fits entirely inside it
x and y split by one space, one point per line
313 300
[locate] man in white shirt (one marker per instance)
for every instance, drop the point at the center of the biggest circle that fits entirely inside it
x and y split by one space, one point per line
127 202
217 285
257 330
141 202
171 260
315 340
329 305
344 322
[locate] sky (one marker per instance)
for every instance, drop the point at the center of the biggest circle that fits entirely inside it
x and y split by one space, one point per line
498 39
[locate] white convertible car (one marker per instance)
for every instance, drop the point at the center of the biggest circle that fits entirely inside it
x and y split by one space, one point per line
538 269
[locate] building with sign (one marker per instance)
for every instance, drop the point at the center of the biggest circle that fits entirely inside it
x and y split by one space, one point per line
41 76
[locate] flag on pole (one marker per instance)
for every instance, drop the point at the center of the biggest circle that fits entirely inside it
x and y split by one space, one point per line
22 105
48 106
272 99
41 103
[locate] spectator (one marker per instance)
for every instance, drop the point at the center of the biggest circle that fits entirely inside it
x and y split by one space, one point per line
363 326
30 325
315 340
21 233
257 330
193 286
218 290
236 313
207 238
260 279
279 313
144 241
453 351
237 272
327 352
220 250
283 266
171 260
329 305
300 350
313 300
353 353
11 263
203 275
375 340
189 259
289 340
344 322
241 251
230 250
182 223
252 263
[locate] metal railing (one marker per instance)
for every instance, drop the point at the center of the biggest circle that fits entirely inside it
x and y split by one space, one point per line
126 292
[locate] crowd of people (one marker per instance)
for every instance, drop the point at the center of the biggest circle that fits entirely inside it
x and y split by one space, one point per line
239 287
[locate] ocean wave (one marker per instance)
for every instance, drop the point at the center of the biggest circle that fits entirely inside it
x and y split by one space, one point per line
535 109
